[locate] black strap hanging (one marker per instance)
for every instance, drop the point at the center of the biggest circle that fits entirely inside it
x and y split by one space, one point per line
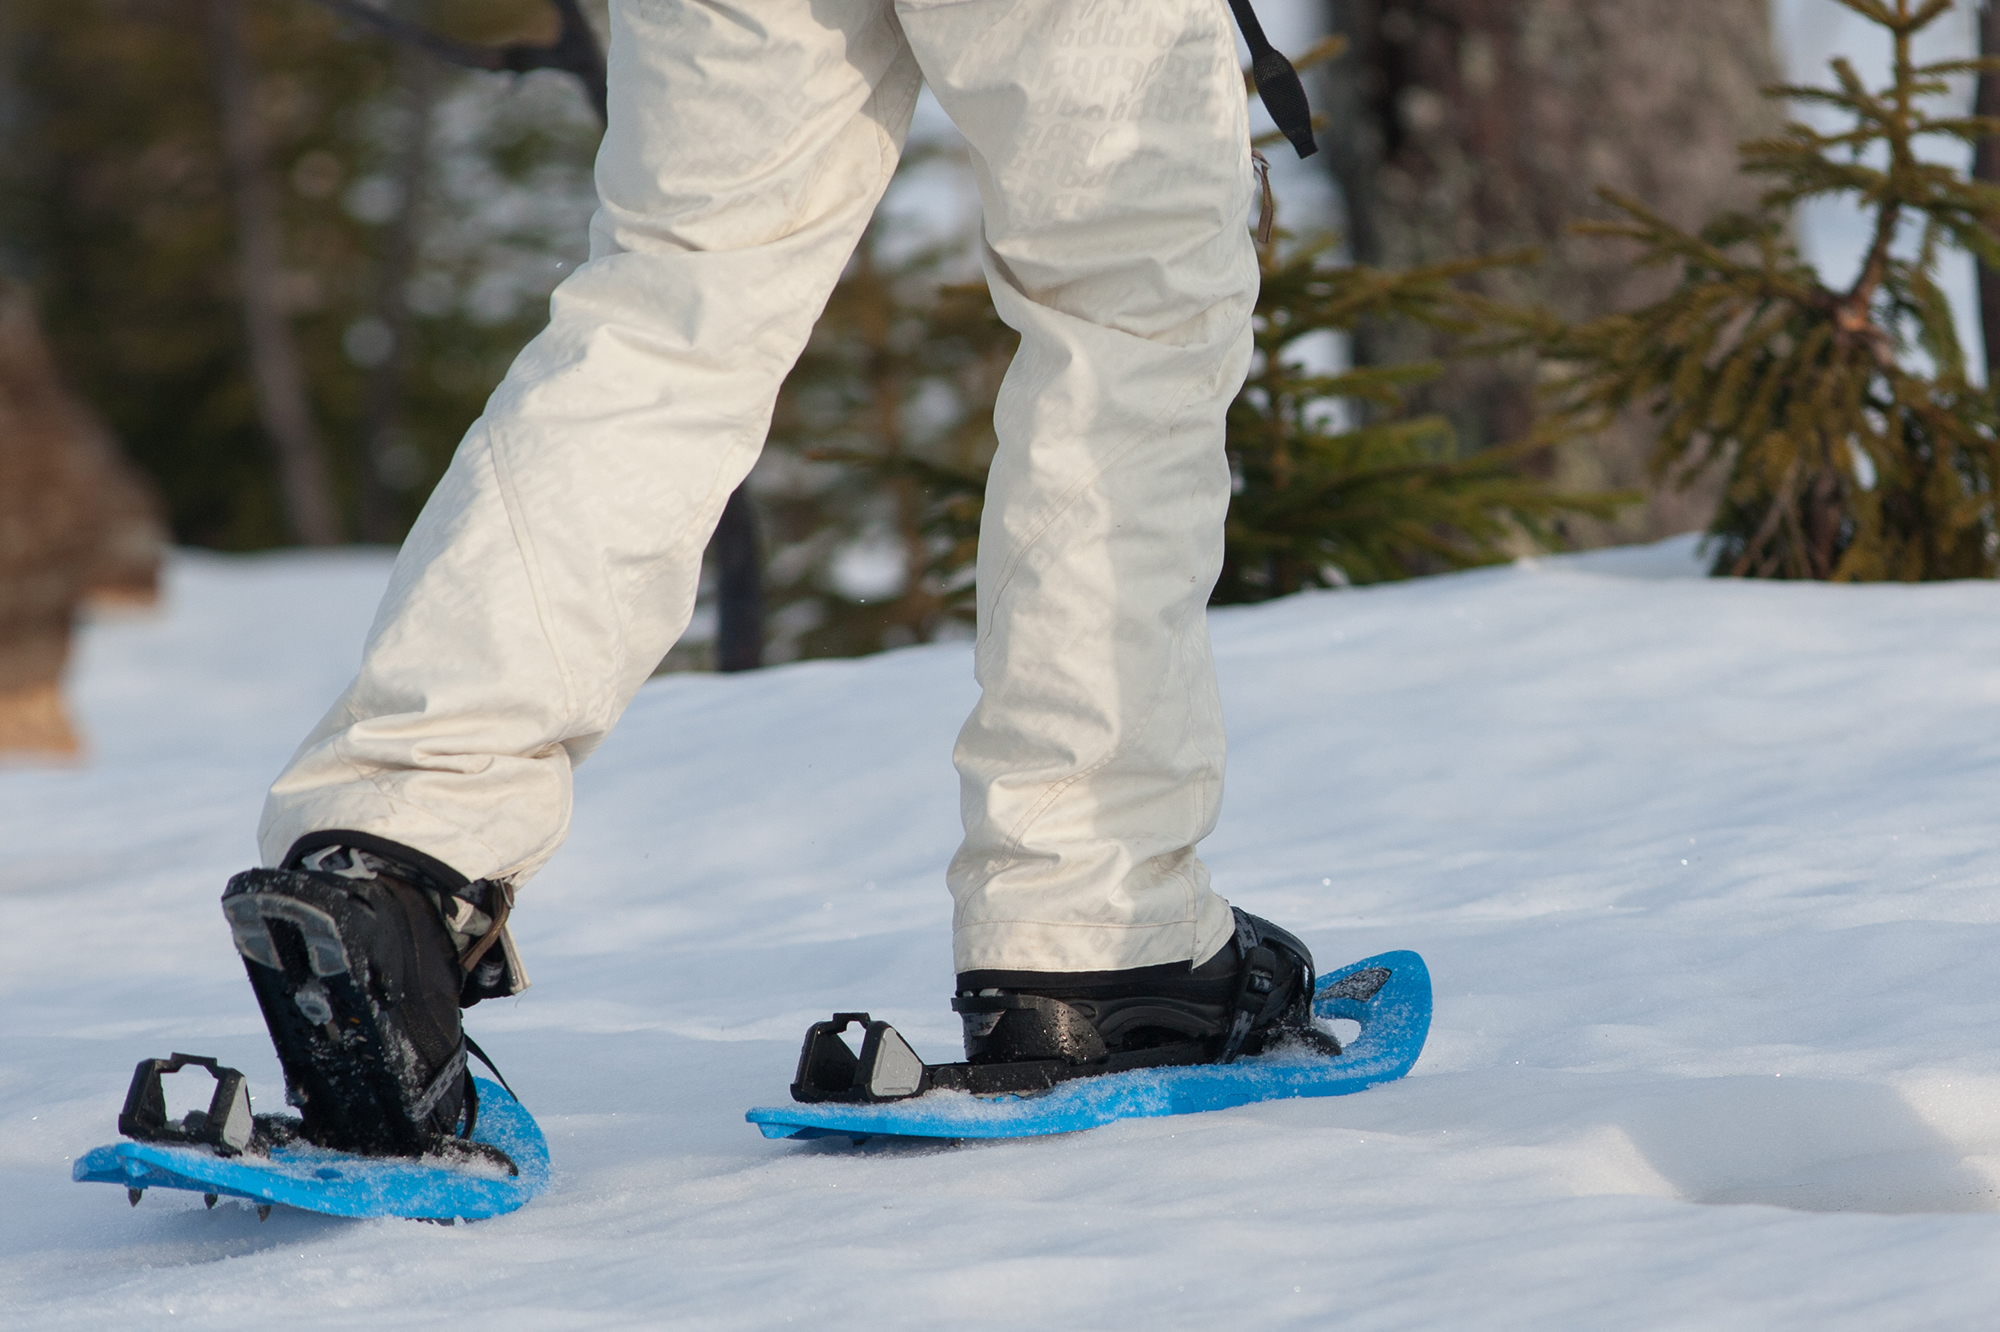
1277 82
491 1067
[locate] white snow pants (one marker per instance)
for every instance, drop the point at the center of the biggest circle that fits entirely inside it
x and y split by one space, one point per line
557 560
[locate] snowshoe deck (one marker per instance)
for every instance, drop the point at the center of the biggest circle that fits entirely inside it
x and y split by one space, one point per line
1395 1019
339 1183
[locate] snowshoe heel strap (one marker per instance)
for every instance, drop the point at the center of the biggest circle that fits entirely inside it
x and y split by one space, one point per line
453 1071
1268 955
1256 980
491 1067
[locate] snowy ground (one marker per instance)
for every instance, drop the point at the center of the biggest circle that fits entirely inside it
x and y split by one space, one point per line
1705 872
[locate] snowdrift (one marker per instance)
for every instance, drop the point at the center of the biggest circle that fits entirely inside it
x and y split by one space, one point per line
1704 871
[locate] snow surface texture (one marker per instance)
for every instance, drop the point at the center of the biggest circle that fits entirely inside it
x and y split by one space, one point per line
1703 869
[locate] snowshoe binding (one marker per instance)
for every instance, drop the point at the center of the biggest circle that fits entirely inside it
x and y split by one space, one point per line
1026 1031
361 953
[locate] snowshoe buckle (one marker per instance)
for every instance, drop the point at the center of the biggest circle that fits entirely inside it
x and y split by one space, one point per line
226 1126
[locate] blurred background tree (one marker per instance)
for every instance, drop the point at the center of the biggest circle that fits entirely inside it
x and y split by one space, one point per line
420 214
122 210
1472 127
79 527
1854 442
1335 481
876 470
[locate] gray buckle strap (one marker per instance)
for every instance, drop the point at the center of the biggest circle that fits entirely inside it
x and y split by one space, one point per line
453 1068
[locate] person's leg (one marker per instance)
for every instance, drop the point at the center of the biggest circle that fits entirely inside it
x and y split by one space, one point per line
1112 146
557 560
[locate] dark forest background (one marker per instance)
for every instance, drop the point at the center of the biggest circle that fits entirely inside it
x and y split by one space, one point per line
308 387
423 215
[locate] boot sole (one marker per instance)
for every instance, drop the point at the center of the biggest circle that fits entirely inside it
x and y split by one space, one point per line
339 1054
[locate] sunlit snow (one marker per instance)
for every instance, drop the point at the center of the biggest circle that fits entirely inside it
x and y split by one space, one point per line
1704 870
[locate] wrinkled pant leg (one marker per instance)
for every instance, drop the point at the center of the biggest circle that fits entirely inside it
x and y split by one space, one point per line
557 560
1112 147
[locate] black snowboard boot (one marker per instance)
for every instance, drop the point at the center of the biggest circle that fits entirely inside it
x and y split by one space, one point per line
356 963
1255 993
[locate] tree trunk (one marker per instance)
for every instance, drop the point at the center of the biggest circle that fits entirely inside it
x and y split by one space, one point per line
1986 167
416 86
1467 127
738 549
739 594
276 369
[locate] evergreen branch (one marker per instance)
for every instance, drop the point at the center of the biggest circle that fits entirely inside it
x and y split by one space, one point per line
1970 128
1931 10
1965 65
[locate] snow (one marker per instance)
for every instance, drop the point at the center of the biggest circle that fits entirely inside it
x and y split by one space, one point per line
1703 870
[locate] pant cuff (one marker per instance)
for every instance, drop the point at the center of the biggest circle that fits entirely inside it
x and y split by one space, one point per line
1036 945
392 820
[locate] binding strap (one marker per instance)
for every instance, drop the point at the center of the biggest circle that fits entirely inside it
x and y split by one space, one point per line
1253 994
471 1118
453 1068
1277 82
480 1055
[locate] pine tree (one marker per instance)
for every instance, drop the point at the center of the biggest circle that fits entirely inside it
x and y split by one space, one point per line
1855 445
1468 127
1333 484
1315 504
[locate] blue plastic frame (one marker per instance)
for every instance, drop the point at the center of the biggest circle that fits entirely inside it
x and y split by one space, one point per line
1394 1025
342 1184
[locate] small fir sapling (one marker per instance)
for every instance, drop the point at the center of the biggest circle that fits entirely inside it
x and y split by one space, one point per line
1359 493
1856 446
